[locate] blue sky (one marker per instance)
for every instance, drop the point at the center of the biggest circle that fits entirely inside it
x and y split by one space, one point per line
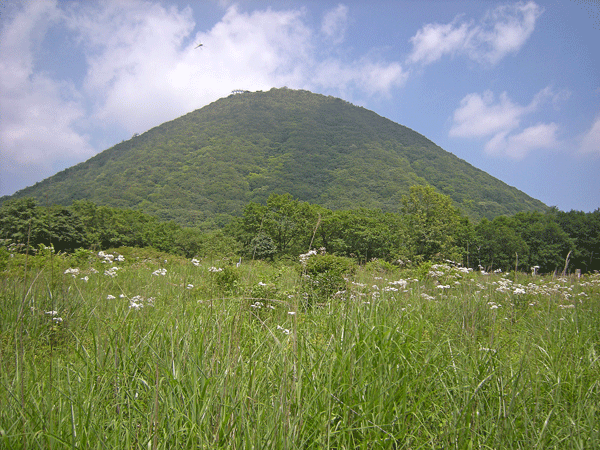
511 87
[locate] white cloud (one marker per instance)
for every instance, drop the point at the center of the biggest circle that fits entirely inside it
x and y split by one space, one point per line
590 144
517 146
500 121
335 23
144 69
39 115
502 31
141 68
480 115
374 78
435 40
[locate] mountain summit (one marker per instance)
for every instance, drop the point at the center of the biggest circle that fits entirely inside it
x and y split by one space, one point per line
205 166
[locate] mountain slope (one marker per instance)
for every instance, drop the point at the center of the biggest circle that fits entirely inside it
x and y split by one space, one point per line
205 166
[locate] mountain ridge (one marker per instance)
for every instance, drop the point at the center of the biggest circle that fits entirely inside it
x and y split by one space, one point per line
204 167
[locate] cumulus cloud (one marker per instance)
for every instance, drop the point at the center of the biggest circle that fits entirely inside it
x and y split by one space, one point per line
517 146
372 77
501 31
39 114
141 68
335 23
481 115
590 143
144 67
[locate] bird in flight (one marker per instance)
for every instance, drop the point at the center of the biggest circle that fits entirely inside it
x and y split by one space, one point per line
199 45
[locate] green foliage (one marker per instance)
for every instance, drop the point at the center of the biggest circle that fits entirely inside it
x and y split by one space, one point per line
433 224
4 256
20 221
263 247
584 230
499 244
324 275
548 244
380 267
227 278
526 240
430 228
201 169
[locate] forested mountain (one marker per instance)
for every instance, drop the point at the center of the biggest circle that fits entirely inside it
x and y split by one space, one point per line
204 167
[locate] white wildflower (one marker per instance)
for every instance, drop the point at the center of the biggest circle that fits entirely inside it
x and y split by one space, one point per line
110 297
195 262
485 349
160 272
139 302
215 269
283 330
305 256
112 272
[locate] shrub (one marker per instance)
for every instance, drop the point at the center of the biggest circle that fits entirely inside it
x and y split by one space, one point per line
325 275
227 278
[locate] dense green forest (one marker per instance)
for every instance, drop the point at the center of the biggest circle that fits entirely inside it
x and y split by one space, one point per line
428 227
202 169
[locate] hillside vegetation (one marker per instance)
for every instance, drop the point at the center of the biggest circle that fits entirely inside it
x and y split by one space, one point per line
203 168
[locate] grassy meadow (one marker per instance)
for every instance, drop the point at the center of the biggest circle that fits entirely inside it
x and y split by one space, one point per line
132 349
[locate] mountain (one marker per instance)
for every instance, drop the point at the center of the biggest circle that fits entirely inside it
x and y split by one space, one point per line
204 167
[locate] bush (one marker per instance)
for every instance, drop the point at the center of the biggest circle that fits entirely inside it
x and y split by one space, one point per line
227 279
325 275
380 266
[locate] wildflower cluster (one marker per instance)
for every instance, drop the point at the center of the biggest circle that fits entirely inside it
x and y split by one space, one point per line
260 305
54 315
305 256
112 272
138 302
159 272
108 258
283 330
72 271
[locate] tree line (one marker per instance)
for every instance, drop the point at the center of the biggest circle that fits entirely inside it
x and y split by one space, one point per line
427 228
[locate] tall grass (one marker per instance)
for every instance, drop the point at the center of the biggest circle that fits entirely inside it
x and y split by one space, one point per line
234 359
